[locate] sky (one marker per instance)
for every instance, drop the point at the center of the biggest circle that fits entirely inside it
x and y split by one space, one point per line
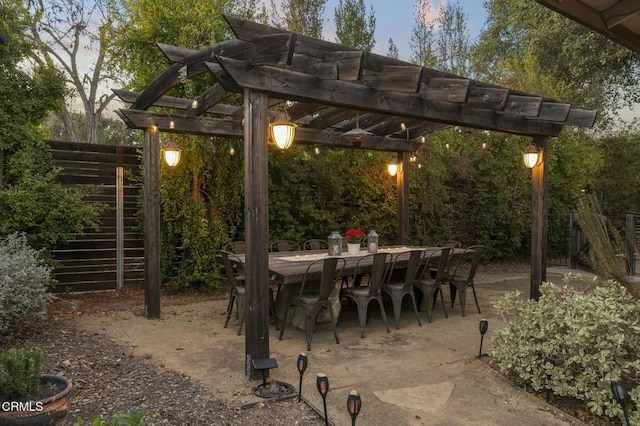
395 19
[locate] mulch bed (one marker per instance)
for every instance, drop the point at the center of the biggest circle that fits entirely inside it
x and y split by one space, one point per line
108 378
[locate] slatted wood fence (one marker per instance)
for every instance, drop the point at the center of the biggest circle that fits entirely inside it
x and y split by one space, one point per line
91 261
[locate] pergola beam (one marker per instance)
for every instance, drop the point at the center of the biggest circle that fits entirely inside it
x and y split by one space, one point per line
306 88
205 126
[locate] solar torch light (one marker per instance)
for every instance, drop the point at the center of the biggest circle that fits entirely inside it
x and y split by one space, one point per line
620 393
484 326
303 362
354 403
322 382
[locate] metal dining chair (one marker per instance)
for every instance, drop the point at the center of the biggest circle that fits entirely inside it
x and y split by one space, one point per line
458 282
315 244
237 247
234 270
399 287
311 299
362 295
429 282
284 245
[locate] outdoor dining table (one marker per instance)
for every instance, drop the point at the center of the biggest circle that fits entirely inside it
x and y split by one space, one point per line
287 269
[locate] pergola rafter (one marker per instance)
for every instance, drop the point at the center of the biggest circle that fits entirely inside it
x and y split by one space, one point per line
327 89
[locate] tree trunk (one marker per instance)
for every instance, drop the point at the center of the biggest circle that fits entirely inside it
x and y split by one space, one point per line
92 120
67 121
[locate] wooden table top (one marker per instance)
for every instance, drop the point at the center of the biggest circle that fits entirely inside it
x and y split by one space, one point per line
290 267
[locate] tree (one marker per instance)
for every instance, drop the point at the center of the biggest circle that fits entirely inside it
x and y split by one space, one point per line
453 44
200 202
301 16
353 26
66 33
392 49
30 199
442 42
596 72
422 39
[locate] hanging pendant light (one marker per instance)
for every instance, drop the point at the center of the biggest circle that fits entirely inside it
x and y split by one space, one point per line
392 168
531 156
357 135
171 153
282 130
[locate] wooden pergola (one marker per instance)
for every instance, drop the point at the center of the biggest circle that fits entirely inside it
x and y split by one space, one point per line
326 88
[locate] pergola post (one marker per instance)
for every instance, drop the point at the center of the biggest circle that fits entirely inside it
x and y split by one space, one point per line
256 222
151 161
402 180
539 209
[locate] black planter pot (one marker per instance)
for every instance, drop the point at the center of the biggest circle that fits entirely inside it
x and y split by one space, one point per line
48 411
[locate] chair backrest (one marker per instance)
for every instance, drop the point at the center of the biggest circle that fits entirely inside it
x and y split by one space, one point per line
456 258
237 247
315 244
232 264
380 266
452 244
331 269
284 245
413 266
442 256
475 260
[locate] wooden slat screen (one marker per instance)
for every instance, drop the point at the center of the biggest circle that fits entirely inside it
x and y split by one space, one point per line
88 263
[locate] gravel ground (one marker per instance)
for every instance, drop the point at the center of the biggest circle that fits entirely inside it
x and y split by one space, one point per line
108 378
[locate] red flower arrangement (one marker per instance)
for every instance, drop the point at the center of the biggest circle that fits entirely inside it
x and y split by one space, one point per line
355 236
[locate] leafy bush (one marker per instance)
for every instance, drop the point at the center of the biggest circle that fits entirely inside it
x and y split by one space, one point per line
573 342
20 371
134 418
24 280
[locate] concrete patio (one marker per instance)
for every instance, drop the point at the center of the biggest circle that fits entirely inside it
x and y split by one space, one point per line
427 375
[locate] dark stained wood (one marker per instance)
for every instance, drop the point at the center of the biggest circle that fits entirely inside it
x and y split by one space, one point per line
581 117
523 105
227 128
209 98
331 117
151 161
554 111
446 89
403 198
322 69
487 97
256 177
303 87
272 49
249 31
191 125
540 210
301 109
81 259
348 64
396 78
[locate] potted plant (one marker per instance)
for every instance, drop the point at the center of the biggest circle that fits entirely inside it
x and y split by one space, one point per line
27 397
354 237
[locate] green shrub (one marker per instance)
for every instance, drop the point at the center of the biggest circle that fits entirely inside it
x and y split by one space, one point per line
24 280
20 371
134 418
590 337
